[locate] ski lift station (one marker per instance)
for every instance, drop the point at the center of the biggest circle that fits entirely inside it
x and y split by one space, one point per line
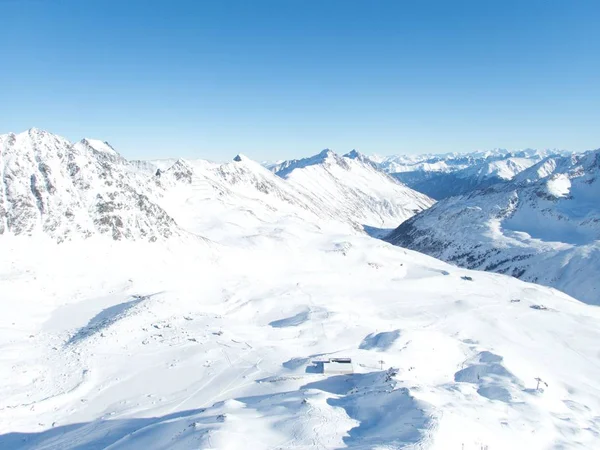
338 366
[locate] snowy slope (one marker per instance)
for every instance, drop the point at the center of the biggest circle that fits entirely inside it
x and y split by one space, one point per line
136 345
70 190
543 227
353 188
179 344
237 200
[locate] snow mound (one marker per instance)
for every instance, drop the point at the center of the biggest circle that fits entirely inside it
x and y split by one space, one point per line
380 341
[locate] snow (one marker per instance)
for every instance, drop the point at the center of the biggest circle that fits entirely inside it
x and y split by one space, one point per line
544 230
207 338
130 344
446 175
98 146
62 189
558 186
352 187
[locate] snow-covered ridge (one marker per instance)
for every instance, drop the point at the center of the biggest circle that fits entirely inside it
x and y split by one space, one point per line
323 190
543 226
445 175
351 186
66 190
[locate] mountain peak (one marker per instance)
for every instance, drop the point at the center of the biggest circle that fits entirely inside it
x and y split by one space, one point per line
326 156
66 190
354 154
36 134
99 146
34 131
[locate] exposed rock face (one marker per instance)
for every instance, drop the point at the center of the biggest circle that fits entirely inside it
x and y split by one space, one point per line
66 190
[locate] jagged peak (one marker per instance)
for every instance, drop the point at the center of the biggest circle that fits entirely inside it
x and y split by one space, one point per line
34 133
241 157
180 164
357 156
38 132
36 138
326 152
326 156
354 154
242 161
98 145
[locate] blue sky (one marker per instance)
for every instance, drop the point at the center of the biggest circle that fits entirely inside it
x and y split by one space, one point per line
286 78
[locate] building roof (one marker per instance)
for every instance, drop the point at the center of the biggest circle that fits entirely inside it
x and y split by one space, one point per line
340 360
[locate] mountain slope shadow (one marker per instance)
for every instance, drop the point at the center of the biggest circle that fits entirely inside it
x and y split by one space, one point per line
293 321
106 318
493 380
380 341
98 434
388 416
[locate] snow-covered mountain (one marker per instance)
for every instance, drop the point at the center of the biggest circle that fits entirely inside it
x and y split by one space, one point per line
352 187
177 344
446 175
64 190
543 226
234 199
129 345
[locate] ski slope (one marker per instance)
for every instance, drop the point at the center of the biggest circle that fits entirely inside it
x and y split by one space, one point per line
128 345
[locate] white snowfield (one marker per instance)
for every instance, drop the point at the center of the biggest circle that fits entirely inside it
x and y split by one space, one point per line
210 343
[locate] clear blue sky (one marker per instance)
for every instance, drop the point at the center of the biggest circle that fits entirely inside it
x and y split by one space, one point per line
286 78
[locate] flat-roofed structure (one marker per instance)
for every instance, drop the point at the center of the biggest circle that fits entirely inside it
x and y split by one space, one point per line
338 366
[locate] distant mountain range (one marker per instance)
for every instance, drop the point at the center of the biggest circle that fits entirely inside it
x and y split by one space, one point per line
530 214
66 189
542 226
446 175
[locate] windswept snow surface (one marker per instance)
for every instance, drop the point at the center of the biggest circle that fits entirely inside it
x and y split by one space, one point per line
129 345
218 343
